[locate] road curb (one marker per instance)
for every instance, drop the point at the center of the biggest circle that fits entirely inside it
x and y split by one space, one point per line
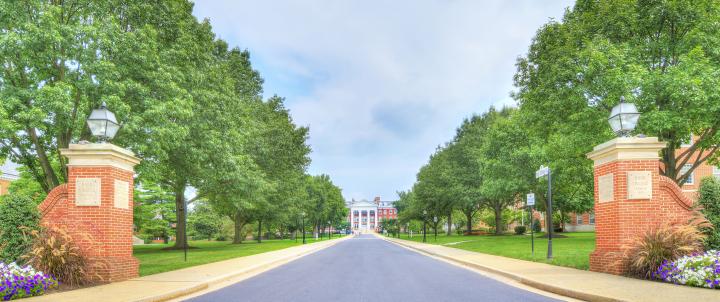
529 282
178 293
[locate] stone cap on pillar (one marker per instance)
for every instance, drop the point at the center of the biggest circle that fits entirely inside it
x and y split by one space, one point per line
102 154
627 148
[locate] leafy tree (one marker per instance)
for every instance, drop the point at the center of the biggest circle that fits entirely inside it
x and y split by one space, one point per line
661 55
709 203
204 221
505 153
18 218
154 211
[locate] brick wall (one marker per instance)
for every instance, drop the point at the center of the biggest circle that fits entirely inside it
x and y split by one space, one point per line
103 232
620 220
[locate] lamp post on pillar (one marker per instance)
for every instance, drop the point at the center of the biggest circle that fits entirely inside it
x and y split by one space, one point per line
628 186
97 201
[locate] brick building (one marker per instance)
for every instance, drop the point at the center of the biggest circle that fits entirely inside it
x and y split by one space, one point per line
365 215
8 174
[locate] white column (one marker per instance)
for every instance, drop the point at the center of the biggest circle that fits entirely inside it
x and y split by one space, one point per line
376 220
367 218
351 219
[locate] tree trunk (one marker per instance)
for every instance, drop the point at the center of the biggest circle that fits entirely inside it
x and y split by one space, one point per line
449 223
468 216
180 226
51 179
498 219
259 239
239 224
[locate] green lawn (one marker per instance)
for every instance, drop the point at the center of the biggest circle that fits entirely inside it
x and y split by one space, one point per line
154 260
573 251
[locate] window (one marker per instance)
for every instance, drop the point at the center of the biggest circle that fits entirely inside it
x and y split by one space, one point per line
578 219
592 218
688 142
716 172
691 177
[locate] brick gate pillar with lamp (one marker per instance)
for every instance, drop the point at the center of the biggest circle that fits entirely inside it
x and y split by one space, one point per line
631 196
95 206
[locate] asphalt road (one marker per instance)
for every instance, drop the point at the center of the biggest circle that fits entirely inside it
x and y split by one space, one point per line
366 268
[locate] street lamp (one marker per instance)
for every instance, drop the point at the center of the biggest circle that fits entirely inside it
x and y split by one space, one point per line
303 225
102 123
435 226
424 224
624 118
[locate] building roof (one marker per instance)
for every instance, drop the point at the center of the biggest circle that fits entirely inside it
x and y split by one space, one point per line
366 203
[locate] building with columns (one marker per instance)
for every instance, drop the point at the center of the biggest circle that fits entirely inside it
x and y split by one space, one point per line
366 215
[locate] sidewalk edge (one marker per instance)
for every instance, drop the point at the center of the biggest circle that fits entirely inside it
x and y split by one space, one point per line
532 283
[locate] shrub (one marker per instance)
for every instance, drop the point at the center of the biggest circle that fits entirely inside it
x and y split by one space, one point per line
657 245
18 217
520 229
55 253
709 202
536 226
21 282
701 270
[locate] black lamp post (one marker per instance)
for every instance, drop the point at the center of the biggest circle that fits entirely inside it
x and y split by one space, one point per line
329 230
424 225
303 225
102 123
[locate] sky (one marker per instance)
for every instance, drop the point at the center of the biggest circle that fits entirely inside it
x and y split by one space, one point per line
381 84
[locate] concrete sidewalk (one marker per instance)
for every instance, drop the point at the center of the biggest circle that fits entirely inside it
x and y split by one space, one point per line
569 282
178 283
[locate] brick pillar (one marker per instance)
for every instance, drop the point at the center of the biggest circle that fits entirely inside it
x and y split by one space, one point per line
100 208
626 185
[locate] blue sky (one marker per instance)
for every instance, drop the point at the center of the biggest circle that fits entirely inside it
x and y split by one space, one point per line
381 83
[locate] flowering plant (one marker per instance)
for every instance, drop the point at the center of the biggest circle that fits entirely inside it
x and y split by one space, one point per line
20 282
701 270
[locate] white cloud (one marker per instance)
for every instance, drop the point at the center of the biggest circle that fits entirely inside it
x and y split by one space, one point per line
381 84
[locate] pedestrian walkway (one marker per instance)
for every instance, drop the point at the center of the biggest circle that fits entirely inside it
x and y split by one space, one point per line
569 282
169 285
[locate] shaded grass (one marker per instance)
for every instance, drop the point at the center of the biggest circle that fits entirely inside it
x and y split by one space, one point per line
153 259
573 251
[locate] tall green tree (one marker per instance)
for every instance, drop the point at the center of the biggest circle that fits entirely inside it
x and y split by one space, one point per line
661 55
506 153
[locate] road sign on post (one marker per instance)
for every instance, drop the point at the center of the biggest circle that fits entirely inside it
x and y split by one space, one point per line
531 199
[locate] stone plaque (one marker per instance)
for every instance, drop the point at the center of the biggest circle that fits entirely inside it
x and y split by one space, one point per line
606 188
87 191
639 184
122 194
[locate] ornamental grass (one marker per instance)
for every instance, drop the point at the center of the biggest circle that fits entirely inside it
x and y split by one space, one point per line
55 253
658 245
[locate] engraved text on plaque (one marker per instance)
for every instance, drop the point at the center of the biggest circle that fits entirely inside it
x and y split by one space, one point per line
87 191
639 184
